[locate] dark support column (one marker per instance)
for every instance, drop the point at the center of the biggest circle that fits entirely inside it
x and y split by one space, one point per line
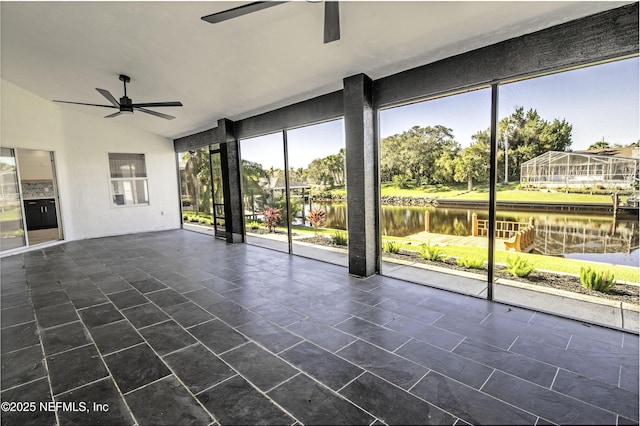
362 175
231 181
493 179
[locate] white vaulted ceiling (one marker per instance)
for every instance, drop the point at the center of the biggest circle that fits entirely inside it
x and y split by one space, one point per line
247 65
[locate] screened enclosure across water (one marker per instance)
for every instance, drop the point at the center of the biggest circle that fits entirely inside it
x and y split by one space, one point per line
579 170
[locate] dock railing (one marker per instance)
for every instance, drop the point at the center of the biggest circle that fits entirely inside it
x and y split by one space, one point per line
519 236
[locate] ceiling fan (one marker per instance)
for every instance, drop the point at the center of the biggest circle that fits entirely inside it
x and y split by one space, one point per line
331 16
126 106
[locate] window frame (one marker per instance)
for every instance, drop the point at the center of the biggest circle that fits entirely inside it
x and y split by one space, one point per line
134 183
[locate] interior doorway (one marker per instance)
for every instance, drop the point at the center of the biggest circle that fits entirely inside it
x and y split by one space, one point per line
36 171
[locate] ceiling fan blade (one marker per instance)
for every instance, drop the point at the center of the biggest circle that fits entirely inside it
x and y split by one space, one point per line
157 114
158 104
81 103
109 97
239 11
331 21
115 114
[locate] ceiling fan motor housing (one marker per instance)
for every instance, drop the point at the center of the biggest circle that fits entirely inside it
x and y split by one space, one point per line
125 105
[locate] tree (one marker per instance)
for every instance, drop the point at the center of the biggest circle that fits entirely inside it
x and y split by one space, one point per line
318 172
198 176
599 145
252 173
329 170
415 152
473 164
527 135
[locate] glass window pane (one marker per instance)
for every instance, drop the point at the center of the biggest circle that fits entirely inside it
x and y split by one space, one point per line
127 165
130 191
218 190
317 181
434 169
195 190
568 163
264 195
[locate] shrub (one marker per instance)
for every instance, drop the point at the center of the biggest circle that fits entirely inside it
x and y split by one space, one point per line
272 217
600 281
468 262
340 238
402 181
317 217
429 252
253 224
519 266
391 246
194 219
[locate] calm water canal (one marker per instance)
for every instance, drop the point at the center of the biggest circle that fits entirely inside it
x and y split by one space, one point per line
592 238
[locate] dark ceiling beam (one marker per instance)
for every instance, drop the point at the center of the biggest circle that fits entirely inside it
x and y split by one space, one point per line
323 108
600 37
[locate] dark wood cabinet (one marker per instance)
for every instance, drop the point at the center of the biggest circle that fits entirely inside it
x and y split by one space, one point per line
41 214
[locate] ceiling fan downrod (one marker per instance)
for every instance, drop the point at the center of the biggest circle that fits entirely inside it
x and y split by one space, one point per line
125 102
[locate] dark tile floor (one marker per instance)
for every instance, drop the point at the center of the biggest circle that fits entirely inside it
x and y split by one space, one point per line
179 328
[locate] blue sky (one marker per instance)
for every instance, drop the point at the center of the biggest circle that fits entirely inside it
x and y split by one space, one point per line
598 101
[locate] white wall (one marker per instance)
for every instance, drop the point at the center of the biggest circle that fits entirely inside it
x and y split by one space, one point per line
81 143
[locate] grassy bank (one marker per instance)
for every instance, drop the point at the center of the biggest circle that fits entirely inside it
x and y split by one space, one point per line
506 192
544 263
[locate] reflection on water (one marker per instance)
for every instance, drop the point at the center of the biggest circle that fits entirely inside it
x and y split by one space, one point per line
594 238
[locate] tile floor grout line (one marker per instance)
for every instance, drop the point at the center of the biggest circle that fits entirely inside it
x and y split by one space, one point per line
70 349
364 371
419 380
104 363
291 347
620 376
510 347
487 379
219 383
554 378
44 358
513 343
568 342
249 340
464 339
344 347
402 345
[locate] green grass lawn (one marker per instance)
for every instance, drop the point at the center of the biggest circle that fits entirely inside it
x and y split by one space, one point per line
13 214
508 192
545 263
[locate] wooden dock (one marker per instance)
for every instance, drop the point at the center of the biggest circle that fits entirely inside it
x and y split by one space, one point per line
454 240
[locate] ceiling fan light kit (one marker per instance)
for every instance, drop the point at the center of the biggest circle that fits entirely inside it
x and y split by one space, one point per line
126 105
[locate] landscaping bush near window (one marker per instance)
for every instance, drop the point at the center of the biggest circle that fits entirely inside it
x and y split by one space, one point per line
429 252
253 224
272 217
471 262
340 238
317 217
602 281
519 266
391 246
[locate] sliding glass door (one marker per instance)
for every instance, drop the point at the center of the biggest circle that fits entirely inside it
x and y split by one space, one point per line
12 229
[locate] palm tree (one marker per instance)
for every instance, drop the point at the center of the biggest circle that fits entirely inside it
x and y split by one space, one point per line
197 173
251 174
